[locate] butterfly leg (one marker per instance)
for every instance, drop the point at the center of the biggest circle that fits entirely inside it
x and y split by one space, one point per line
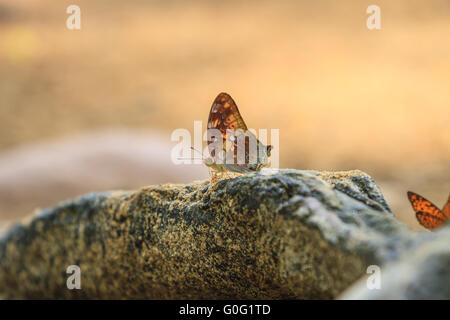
213 176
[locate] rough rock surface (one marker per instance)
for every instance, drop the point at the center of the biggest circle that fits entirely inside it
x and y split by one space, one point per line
420 274
272 234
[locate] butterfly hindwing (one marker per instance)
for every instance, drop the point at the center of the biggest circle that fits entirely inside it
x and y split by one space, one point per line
427 213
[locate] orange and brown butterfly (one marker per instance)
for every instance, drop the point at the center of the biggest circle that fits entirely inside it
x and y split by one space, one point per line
427 213
224 116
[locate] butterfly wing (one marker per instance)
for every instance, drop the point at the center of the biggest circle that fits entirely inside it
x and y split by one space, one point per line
224 115
446 210
427 213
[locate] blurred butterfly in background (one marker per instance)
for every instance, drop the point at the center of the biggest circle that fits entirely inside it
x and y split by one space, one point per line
427 213
224 117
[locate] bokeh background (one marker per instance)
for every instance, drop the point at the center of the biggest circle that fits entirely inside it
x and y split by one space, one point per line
93 109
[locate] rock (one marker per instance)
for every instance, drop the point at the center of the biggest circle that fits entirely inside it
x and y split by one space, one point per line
421 274
267 235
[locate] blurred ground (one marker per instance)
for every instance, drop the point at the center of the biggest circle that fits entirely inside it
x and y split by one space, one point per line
342 96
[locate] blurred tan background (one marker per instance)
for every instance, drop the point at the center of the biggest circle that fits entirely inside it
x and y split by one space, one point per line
93 109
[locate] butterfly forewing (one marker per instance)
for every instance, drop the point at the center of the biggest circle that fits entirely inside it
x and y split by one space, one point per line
224 115
427 213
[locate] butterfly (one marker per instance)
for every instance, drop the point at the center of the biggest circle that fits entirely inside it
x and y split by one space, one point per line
427 213
231 145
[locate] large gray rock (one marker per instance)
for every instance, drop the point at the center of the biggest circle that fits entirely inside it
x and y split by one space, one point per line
273 234
423 273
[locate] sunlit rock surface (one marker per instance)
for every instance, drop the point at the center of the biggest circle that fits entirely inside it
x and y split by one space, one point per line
266 235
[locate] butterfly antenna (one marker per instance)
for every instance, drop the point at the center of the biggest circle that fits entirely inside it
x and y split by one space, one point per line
198 152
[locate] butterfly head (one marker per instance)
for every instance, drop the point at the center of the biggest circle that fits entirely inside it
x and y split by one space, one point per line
269 148
266 156
263 159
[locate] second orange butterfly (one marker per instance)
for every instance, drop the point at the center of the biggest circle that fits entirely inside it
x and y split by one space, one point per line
428 215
